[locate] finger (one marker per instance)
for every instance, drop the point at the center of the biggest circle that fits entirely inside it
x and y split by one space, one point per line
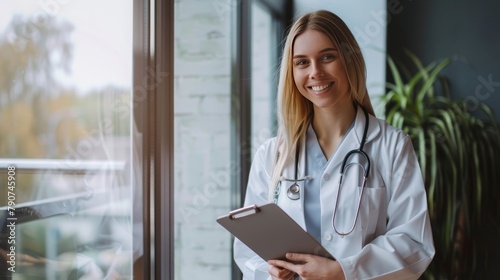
32 259
279 263
28 258
296 257
283 264
285 274
288 275
280 273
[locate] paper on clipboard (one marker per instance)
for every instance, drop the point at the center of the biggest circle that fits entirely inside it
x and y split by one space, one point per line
270 232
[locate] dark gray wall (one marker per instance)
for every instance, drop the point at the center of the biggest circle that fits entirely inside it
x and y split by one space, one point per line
468 30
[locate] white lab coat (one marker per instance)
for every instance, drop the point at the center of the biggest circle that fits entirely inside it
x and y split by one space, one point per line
392 238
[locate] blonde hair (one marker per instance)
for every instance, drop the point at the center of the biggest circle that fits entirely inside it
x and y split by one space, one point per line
294 110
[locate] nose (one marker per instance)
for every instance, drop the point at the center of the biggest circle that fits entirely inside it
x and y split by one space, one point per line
316 71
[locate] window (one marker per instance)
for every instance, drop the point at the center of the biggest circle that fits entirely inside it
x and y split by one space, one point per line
68 140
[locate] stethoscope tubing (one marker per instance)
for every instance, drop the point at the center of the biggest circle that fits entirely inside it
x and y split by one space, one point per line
358 207
365 176
293 191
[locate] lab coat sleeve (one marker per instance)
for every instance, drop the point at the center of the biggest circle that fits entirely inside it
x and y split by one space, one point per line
406 248
251 265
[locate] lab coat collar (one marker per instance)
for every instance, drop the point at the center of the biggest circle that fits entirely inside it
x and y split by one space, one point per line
352 140
359 126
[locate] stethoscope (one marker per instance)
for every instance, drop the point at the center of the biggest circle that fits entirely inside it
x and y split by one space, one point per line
293 191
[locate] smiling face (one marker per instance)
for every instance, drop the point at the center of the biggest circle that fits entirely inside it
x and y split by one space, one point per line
318 71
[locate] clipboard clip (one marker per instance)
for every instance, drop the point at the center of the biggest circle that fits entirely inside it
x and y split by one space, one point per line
243 212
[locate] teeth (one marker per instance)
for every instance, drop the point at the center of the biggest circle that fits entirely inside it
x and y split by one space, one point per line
320 88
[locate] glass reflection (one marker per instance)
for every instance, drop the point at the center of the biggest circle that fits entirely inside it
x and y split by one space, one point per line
65 111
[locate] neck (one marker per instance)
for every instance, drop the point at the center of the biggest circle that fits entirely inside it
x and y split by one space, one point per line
333 124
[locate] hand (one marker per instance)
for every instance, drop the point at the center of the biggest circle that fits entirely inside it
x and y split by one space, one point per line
309 267
27 260
278 273
22 259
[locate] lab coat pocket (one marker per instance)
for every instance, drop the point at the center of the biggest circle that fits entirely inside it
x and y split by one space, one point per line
373 212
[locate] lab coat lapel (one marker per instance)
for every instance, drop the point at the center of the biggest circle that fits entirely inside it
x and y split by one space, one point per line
350 142
353 139
346 216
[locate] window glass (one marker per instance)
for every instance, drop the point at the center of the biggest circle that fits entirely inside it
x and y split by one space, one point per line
202 137
67 142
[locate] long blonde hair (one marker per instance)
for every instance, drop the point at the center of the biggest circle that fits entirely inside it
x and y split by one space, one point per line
294 110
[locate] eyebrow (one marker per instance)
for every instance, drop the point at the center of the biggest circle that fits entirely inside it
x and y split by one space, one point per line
321 51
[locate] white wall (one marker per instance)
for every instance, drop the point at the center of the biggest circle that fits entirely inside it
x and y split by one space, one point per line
202 138
367 21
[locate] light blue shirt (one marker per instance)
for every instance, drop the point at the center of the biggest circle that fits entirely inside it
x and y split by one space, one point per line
316 164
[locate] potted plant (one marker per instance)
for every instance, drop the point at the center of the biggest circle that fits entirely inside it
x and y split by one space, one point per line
458 153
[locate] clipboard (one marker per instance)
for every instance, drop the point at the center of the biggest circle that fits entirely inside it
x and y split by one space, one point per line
270 232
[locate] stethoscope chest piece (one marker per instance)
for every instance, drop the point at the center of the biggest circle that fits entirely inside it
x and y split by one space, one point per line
293 191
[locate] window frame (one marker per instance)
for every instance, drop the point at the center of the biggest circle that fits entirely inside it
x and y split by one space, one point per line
153 41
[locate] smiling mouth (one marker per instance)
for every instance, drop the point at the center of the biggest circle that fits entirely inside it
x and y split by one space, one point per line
322 87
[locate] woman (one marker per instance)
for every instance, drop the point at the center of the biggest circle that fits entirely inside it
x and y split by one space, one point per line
324 113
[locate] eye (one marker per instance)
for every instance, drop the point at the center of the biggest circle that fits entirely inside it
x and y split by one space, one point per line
328 57
301 62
